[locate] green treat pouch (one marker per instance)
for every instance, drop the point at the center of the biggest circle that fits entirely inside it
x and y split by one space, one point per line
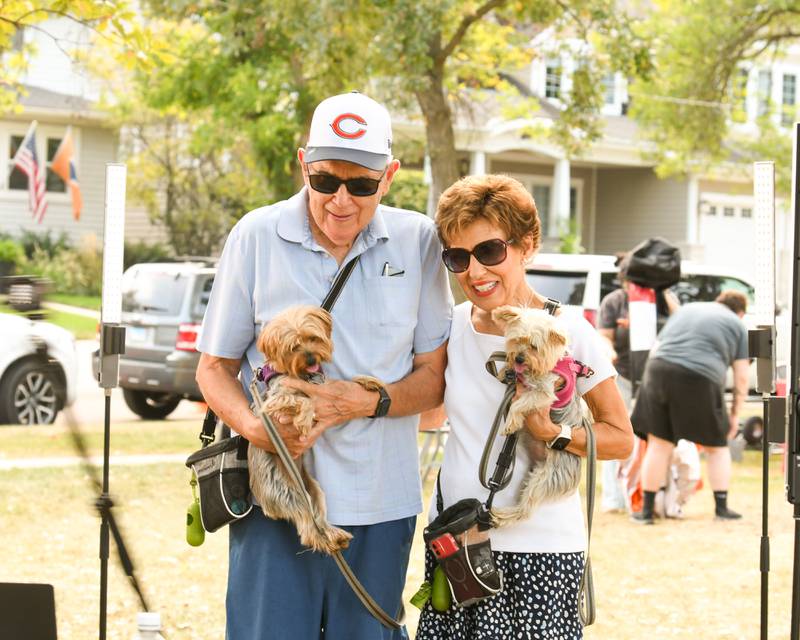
422 595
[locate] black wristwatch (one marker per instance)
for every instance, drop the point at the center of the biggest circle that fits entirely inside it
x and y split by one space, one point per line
384 402
561 441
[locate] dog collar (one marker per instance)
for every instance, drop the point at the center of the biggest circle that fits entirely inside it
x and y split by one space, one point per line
266 373
569 370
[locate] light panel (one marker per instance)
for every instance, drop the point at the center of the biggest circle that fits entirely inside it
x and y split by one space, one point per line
764 216
113 243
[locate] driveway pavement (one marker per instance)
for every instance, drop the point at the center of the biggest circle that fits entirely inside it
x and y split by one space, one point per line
89 404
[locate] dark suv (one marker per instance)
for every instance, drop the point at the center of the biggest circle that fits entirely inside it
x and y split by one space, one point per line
162 309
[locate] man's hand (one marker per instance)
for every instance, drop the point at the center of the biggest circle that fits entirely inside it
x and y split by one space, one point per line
336 401
296 443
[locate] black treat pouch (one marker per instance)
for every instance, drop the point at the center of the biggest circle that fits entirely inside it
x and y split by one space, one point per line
224 482
464 552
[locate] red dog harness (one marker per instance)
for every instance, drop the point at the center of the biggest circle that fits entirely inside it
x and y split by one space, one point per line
569 370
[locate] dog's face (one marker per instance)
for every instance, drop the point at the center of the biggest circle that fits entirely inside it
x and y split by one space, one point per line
297 341
534 342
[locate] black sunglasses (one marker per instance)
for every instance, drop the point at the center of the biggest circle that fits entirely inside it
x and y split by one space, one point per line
358 187
488 253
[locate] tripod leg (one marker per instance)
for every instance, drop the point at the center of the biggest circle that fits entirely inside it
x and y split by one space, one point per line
796 577
764 526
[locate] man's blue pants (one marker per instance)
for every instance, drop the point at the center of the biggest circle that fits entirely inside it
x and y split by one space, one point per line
278 590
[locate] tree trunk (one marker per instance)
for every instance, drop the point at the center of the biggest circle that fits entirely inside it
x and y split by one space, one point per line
439 134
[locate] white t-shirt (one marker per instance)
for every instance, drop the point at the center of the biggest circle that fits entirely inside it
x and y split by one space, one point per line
471 399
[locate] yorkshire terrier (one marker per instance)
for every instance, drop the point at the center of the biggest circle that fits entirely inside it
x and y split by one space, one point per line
296 343
534 345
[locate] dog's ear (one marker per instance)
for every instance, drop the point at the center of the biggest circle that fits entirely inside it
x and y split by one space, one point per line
324 318
505 314
268 342
557 339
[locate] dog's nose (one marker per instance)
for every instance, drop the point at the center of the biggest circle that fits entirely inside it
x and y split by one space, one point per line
519 359
311 359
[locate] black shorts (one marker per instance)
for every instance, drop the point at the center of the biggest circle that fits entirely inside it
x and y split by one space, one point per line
674 403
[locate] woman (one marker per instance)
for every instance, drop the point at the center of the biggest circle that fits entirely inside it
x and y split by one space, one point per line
613 325
490 228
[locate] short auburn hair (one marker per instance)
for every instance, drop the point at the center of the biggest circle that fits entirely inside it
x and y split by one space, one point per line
736 301
499 200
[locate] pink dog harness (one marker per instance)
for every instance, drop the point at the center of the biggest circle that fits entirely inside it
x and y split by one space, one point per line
569 370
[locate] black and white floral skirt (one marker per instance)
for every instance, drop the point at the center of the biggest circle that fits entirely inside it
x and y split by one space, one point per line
538 602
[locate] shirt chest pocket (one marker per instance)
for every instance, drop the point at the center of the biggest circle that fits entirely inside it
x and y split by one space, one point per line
391 301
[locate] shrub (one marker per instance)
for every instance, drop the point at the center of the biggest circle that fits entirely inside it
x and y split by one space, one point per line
11 251
141 251
31 240
408 191
78 271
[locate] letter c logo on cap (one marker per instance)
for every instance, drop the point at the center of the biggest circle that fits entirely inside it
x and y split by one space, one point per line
336 125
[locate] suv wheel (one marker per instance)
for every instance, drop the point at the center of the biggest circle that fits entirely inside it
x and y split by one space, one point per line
28 394
150 405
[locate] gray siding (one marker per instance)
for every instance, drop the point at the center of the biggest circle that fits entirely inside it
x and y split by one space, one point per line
96 147
634 204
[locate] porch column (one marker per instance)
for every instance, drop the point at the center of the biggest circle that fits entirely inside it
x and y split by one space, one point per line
477 163
559 199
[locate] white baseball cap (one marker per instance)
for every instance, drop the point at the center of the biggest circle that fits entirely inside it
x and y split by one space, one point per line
353 128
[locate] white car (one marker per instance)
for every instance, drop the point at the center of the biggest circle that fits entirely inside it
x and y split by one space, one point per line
38 370
581 281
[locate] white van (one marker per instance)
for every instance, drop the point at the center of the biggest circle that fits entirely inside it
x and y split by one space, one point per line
581 281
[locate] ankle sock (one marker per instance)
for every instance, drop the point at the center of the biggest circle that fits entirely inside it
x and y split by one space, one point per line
648 503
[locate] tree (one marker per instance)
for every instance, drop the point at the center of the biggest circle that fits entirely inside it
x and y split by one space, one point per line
110 19
264 65
688 102
194 178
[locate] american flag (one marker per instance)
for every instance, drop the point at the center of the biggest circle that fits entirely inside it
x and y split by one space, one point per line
27 161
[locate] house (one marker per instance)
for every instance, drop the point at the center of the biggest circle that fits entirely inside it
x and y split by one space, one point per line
610 195
59 94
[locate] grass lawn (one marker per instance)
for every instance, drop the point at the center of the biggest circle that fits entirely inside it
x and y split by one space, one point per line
87 302
694 578
81 327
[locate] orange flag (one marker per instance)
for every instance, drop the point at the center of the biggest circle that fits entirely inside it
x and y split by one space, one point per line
63 165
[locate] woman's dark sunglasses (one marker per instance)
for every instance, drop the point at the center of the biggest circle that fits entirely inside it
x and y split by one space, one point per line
488 253
359 187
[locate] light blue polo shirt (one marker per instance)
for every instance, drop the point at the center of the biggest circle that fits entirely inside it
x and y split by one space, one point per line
368 468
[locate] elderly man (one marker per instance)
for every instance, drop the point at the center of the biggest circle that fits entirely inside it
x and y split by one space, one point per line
391 321
682 394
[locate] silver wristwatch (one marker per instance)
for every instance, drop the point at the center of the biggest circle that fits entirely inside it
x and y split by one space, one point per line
562 439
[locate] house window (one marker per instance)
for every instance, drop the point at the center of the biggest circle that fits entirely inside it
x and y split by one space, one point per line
764 92
552 79
53 182
712 210
16 179
727 212
608 86
739 96
18 41
747 212
789 97
541 196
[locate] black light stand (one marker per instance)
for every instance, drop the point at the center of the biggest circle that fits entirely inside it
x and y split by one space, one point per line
112 343
762 347
793 428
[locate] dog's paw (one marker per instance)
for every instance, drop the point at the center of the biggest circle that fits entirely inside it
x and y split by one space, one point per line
513 424
369 383
338 538
328 541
